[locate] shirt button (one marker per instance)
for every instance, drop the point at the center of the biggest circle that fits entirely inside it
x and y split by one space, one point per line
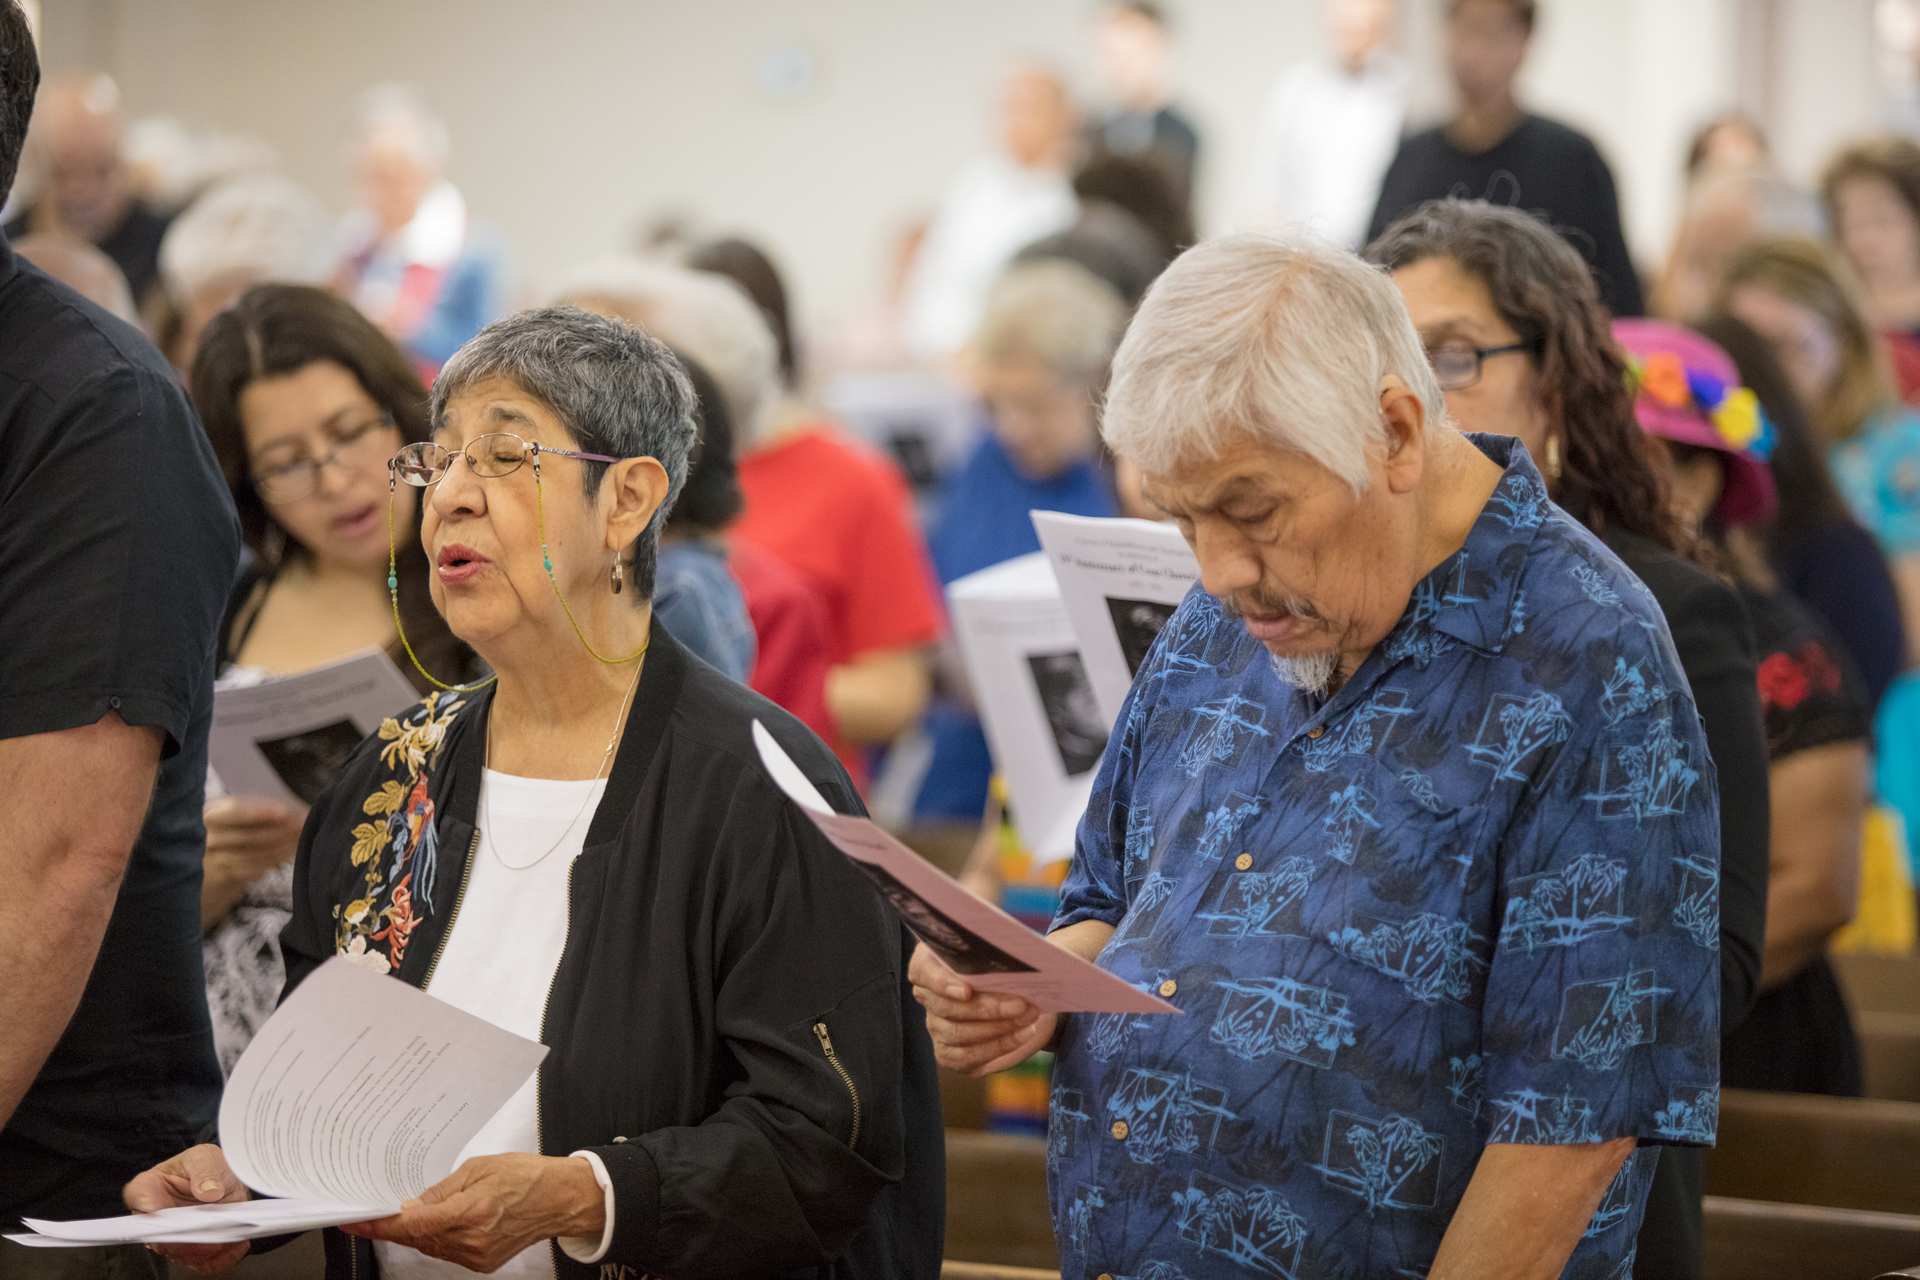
1316 732
1119 1130
1168 987
1244 862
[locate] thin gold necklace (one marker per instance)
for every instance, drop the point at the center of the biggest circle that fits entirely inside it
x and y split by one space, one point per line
486 823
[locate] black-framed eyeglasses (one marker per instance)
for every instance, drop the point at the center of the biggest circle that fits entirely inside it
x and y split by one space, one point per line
295 477
489 457
1457 364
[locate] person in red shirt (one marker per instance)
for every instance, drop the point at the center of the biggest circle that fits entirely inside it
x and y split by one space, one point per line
790 621
841 516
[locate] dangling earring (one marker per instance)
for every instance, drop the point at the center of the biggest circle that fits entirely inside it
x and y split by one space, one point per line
273 546
619 576
1553 457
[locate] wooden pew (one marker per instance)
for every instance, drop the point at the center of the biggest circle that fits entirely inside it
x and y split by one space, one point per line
997 1208
951 1270
1879 984
1889 1054
1754 1240
1841 1153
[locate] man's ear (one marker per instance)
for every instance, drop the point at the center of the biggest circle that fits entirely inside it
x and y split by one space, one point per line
1405 419
633 490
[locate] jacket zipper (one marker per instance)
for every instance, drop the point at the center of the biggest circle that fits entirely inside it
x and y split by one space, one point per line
539 1102
466 872
833 1060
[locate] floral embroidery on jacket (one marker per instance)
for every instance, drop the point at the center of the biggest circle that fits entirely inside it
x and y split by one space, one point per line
398 851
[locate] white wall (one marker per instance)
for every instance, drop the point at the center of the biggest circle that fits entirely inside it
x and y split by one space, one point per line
573 119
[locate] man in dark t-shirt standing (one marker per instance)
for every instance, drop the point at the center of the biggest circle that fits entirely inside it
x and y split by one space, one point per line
1493 150
117 546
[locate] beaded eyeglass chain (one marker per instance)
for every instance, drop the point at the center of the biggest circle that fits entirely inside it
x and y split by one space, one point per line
546 560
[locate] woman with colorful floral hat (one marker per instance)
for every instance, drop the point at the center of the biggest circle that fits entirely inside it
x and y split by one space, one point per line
1714 441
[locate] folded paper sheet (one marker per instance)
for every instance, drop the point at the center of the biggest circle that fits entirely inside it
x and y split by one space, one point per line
1042 721
357 1095
285 739
990 948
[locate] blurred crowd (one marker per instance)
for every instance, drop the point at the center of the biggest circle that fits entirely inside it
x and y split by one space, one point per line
843 479
843 482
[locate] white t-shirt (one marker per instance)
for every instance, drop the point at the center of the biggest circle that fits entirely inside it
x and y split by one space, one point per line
500 959
1327 140
993 210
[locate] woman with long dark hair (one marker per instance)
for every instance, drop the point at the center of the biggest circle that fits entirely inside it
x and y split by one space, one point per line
1516 333
304 401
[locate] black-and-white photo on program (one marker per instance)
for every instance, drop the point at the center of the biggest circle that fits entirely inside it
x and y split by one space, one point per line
1138 623
1072 712
963 950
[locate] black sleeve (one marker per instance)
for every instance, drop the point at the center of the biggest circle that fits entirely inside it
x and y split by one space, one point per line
1717 650
1612 265
784 1173
116 554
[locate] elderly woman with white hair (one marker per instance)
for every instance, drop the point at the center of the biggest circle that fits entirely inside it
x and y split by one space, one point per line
587 851
1409 812
1039 362
256 228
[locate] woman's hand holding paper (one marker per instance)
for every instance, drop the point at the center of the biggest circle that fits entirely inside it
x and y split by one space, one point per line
492 1207
246 838
198 1175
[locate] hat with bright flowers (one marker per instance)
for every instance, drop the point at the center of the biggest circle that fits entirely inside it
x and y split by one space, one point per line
1687 390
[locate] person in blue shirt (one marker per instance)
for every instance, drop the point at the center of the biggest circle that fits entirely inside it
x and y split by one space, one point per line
1409 813
694 594
1040 362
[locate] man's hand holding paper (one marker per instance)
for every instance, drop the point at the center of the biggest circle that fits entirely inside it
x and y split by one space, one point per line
979 1032
198 1175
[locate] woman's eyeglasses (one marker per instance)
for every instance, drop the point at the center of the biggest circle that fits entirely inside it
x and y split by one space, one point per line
291 477
1457 364
488 457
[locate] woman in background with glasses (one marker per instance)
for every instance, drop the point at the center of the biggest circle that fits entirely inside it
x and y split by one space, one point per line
587 851
1516 332
304 400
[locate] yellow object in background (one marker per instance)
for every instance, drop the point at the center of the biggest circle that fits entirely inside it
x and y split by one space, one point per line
1885 923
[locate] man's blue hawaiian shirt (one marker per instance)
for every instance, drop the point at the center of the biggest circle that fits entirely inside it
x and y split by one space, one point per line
1472 898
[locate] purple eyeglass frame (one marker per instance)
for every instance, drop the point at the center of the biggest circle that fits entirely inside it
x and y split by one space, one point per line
393 465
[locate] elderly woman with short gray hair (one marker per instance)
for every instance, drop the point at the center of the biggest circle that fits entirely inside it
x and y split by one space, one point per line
587 852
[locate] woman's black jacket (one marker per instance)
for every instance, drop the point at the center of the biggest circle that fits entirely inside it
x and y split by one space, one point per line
711 930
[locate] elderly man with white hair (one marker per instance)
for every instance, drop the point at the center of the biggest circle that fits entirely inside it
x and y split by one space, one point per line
411 258
1409 812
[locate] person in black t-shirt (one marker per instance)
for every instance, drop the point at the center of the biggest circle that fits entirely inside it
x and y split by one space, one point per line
117 545
1134 48
1493 150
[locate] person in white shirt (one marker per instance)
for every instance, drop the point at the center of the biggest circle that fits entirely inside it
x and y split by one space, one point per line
1332 125
996 207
